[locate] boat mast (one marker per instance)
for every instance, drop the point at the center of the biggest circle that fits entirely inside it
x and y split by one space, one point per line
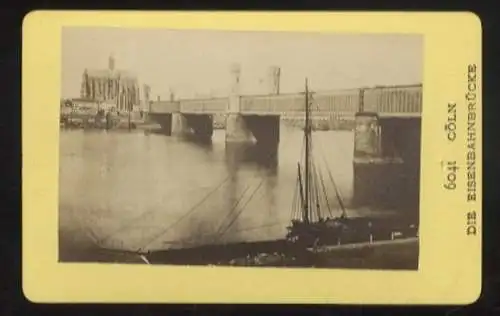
307 131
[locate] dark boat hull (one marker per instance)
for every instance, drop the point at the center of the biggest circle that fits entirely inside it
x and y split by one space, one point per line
351 230
397 254
401 254
360 230
379 254
216 254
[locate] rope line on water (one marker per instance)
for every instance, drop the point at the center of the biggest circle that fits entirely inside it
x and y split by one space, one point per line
258 227
220 233
242 209
246 189
85 228
133 221
193 208
187 242
233 209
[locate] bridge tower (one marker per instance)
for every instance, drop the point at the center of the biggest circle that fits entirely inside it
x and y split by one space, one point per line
274 74
179 121
236 129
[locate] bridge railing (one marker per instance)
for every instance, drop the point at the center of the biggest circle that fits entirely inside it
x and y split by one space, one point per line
164 107
398 100
210 106
272 104
341 115
337 104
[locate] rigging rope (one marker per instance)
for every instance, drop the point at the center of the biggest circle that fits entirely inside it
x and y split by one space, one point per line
85 227
184 242
298 199
258 227
314 197
242 209
295 200
301 190
326 196
190 211
337 193
316 191
164 231
232 210
133 221
193 208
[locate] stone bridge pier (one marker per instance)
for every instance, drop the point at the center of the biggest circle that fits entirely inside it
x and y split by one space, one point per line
191 125
264 130
245 127
199 126
164 120
387 162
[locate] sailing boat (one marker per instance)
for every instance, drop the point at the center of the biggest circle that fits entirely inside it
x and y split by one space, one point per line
309 226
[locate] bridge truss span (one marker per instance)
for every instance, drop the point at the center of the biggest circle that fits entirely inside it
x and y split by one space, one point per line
204 106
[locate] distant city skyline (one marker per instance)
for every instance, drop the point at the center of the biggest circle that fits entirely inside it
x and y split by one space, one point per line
192 63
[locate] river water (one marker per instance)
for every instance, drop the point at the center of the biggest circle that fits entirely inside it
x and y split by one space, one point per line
137 190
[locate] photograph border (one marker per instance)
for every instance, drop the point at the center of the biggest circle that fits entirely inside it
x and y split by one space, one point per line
449 261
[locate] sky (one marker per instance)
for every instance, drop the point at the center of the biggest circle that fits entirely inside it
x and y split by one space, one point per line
194 63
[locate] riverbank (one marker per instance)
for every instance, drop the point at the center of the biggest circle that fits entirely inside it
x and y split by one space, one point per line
120 123
394 255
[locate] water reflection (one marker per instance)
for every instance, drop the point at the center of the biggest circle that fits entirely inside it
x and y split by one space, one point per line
149 182
242 189
203 142
260 154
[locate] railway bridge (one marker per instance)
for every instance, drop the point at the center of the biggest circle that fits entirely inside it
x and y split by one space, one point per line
257 117
386 120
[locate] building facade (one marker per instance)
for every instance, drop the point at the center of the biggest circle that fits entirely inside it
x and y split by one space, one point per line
111 87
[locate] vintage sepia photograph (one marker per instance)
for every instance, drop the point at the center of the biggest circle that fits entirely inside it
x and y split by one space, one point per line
240 148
